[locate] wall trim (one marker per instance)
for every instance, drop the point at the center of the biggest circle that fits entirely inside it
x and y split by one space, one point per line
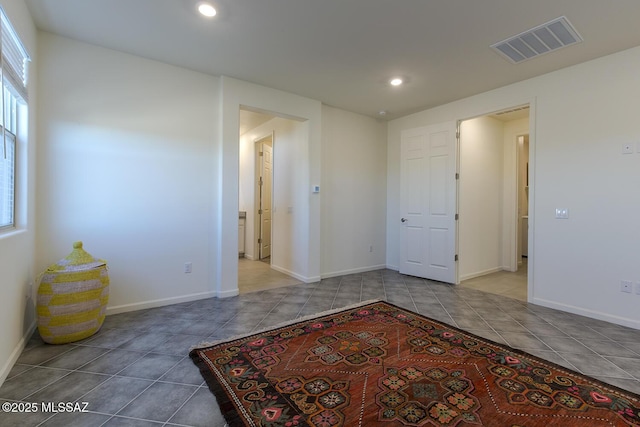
624 321
353 271
305 279
481 273
227 294
17 351
159 302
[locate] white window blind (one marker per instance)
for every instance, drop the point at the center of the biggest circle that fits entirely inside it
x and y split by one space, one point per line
14 58
7 181
13 75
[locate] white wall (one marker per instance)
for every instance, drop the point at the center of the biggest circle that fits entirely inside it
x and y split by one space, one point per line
580 118
354 192
17 246
289 199
125 165
480 196
246 188
511 255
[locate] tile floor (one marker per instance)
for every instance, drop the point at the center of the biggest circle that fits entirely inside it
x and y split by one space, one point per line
136 372
258 275
505 283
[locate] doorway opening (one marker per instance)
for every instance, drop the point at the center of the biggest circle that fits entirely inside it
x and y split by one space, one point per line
493 202
266 155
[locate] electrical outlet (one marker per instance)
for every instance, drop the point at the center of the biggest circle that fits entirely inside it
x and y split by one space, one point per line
562 213
187 267
626 286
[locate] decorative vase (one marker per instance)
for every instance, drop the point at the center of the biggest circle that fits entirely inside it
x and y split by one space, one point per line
72 297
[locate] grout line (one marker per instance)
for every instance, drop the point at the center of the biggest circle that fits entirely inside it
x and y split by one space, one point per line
384 288
153 382
633 377
335 295
447 311
183 403
308 298
489 324
265 316
411 295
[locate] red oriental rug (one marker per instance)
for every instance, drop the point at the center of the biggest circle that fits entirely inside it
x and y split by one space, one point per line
381 365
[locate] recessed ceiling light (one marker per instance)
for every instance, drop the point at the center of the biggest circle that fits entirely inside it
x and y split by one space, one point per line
396 81
382 113
207 10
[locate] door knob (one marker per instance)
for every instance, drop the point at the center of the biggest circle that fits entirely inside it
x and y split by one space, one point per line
404 219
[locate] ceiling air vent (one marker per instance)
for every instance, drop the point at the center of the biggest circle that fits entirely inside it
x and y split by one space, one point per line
537 41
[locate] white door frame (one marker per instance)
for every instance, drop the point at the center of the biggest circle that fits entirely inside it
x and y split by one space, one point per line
518 252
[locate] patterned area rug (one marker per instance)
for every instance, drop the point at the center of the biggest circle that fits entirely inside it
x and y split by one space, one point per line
381 365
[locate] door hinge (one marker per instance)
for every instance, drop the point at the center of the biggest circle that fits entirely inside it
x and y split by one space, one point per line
261 153
260 241
456 257
457 175
457 217
260 181
458 135
259 211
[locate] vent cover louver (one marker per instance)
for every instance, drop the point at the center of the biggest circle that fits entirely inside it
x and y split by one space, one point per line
512 110
537 41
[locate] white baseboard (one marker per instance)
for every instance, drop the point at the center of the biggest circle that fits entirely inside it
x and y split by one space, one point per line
631 323
15 354
392 267
227 294
353 271
159 302
300 277
481 273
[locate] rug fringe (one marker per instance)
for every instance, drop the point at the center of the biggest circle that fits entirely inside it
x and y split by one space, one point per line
205 344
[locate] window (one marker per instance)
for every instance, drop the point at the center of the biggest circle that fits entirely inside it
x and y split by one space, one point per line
13 73
8 160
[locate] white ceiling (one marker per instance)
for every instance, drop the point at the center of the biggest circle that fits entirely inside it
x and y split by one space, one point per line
343 52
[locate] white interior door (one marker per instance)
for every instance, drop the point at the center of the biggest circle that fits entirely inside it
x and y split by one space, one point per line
265 200
428 197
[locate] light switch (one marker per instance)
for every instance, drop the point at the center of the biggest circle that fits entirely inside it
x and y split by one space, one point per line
562 213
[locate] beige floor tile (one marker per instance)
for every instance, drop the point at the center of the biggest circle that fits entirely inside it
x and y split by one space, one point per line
505 283
258 275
